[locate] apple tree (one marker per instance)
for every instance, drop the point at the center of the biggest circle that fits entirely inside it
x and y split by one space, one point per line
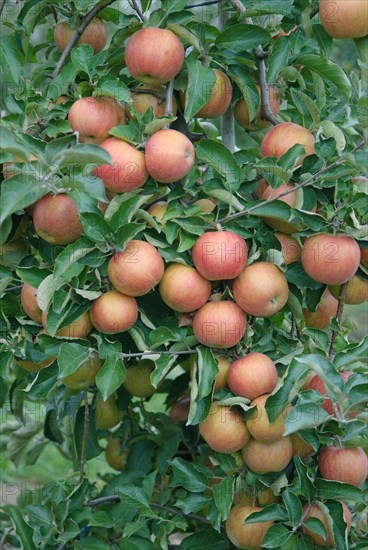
183 221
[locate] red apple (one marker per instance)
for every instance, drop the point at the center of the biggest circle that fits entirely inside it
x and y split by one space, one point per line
364 256
224 429
246 536
56 219
241 112
169 156
315 511
259 424
220 98
317 384
28 297
138 379
342 19
219 324
290 199
93 118
95 35
290 248
325 310
252 375
347 465
179 411
143 99
356 292
183 288
282 137
264 458
113 312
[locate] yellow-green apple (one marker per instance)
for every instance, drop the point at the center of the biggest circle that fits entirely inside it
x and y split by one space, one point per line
344 464
31 366
79 328
114 312
206 205
246 536
258 422
342 19
264 458
283 137
95 35
153 55
261 289
300 447
85 375
252 375
169 156
325 310
220 255
28 297
267 496
128 169
330 259
115 455
107 413
224 429
157 211
356 292
137 269
142 99
93 118
290 248
138 379
179 411
56 219
241 112
220 98
219 324
364 256
290 199
314 511
317 384
244 498
221 377
183 289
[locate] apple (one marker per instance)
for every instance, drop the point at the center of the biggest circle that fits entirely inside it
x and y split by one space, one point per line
267 497
107 413
330 259
170 156
137 269
183 289
114 312
252 375
28 298
317 384
93 118
261 187
221 377
143 99
56 219
325 310
220 255
290 248
259 424
157 211
224 429
290 199
314 511
138 379
206 205
283 136
115 456
246 536
344 464
128 169
85 375
244 498
95 35
31 366
264 458
342 19
219 324
300 447
364 256
261 289
220 98
153 55
241 112
356 292
179 411
79 328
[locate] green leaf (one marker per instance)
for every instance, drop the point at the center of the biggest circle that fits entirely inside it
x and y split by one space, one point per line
203 540
82 58
126 133
272 512
71 356
126 233
295 274
302 417
328 71
157 124
11 61
247 87
172 6
221 159
278 58
110 377
201 80
241 37
334 489
135 497
17 193
82 154
95 226
326 371
92 447
316 525
162 366
70 255
293 506
23 531
186 35
223 495
113 87
188 476
276 536
43 384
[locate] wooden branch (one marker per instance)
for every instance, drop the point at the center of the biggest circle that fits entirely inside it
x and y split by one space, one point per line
85 436
266 111
2 4
133 4
155 93
102 500
157 352
208 3
340 310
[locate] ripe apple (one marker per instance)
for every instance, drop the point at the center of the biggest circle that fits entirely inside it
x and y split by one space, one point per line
220 98
107 413
330 259
347 465
259 424
261 289
252 375
356 292
114 312
290 248
342 19
183 289
93 118
79 328
221 377
315 511
219 324
179 411
264 458
85 375
56 219
282 137
128 169
241 112
143 100
95 35
28 297
246 536
325 310
137 269
224 429
157 211
138 379
169 156
153 55
364 256
300 447
290 199
115 455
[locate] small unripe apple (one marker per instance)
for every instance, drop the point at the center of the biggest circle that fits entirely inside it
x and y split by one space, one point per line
183 289
107 413
85 375
142 101
221 377
246 536
264 458
219 324
356 292
261 289
114 312
259 425
157 211
137 269
241 112
28 297
169 156
79 328
283 136
342 19
115 456
56 219
93 118
220 99
346 464
300 447
95 35
290 199
138 379
224 429
290 248
252 375
325 310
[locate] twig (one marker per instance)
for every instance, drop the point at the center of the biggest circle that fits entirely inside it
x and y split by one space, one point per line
208 3
2 4
169 98
102 500
340 310
178 512
155 93
133 4
314 11
77 34
85 435
157 352
266 111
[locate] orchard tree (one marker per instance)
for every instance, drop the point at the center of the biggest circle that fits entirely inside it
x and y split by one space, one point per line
183 218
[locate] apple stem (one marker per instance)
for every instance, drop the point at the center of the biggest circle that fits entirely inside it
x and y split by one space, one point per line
85 435
133 4
340 310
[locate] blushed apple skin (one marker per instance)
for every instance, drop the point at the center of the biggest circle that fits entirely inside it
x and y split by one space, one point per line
252 375
137 269
290 199
114 312
282 137
153 55
142 101
93 118
224 429
220 98
246 536
241 112
170 156
220 255
183 289
95 35
79 328
179 411
138 379
356 292
56 219
290 248
259 424
300 447
330 259
364 256
317 384
325 310
316 512
219 324
342 19
28 297
264 458
347 465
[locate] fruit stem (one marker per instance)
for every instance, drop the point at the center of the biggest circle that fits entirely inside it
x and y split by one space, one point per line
340 310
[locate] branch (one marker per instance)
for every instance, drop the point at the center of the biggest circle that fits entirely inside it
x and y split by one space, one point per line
340 310
85 435
77 34
133 4
169 98
155 93
158 352
266 111
314 11
2 4
102 500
